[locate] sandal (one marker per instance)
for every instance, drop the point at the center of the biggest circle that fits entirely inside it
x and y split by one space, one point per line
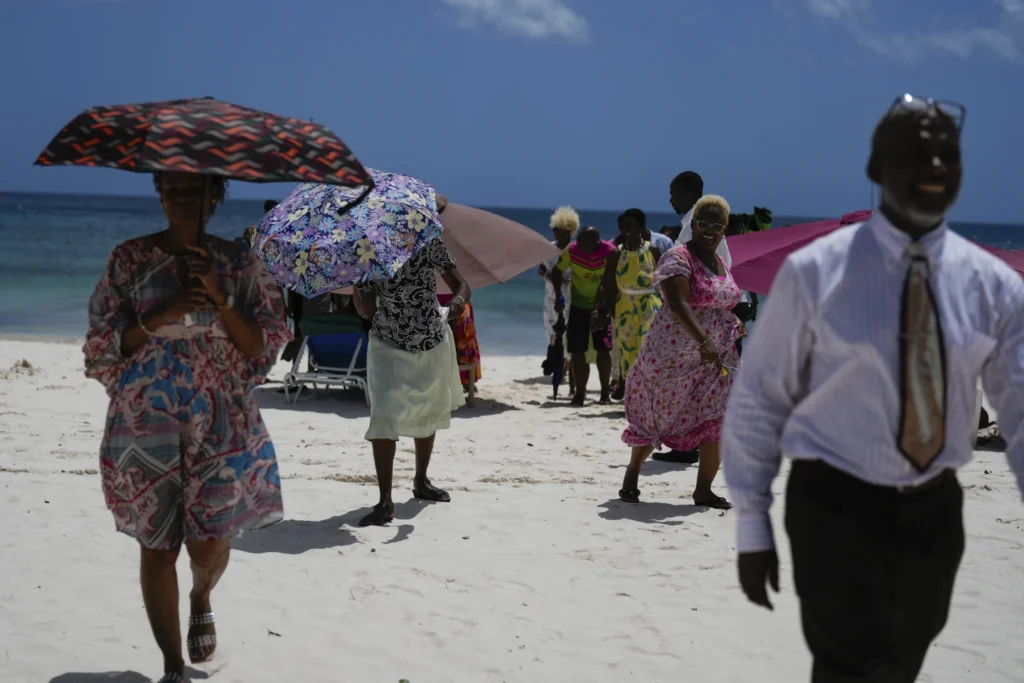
381 514
629 495
201 648
676 456
171 678
716 502
577 401
430 492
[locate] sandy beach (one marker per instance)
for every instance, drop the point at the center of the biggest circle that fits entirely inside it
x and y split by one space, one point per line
535 572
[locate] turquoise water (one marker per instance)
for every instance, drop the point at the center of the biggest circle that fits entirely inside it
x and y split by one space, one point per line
54 247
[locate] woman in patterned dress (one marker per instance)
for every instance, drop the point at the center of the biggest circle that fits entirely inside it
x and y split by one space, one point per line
677 390
179 335
627 290
411 367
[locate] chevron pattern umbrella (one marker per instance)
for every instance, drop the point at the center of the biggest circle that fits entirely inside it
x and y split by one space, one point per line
205 136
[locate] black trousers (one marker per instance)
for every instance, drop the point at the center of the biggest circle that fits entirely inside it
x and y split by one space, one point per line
874 570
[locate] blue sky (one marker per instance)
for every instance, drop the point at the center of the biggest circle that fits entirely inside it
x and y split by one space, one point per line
597 103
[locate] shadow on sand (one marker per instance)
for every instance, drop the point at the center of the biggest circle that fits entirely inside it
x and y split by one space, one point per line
483 406
534 381
648 513
348 404
295 537
654 468
351 405
119 677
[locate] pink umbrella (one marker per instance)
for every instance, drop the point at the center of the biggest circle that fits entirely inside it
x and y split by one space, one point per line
758 256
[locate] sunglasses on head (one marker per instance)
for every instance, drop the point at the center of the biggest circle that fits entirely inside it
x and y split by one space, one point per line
707 226
956 112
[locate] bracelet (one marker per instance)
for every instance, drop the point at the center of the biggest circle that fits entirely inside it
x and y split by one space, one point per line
456 298
142 325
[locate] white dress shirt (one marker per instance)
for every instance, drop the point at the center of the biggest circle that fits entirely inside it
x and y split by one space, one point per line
820 375
686 234
662 242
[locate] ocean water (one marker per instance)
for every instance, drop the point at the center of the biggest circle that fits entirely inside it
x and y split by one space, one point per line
53 249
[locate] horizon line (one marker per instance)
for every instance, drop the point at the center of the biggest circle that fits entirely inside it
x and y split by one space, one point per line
809 218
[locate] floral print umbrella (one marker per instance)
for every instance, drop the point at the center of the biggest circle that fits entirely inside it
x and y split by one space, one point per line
322 238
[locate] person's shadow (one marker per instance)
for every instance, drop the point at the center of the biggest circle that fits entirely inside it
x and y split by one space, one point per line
119 677
295 537
669 514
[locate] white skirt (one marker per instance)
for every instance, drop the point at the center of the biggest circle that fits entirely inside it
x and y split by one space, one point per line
412 394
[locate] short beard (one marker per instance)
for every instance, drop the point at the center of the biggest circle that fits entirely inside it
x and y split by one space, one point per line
923 220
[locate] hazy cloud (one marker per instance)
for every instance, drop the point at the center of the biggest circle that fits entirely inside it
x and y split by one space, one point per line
1003 35
535 19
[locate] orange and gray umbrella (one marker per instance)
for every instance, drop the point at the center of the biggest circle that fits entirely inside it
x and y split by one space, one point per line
205 136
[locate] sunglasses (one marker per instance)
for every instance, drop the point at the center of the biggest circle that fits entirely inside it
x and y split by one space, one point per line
709 227
956 112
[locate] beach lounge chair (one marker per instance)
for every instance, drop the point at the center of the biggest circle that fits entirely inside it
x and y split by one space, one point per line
337 347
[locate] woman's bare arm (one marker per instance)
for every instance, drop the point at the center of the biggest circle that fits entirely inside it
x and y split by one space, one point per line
365 303
608 291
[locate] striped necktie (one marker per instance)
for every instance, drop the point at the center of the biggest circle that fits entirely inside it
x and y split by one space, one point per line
922 433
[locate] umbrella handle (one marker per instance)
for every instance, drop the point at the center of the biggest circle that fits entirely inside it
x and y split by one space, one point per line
359 200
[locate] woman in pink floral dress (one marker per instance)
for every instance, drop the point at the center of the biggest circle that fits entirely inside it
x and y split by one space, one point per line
179 335
677 390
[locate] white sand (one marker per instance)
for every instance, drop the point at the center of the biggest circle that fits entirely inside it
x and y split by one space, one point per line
533 573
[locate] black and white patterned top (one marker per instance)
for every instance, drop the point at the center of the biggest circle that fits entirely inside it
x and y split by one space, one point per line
408 315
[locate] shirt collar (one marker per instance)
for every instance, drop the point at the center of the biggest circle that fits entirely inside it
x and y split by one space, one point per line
894 242
687 217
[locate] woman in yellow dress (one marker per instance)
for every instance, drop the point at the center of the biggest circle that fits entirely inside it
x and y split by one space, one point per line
628 286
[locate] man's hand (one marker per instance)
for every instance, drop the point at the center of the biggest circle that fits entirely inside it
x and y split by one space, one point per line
757 569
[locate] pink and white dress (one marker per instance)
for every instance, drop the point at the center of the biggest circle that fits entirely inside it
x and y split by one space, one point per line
673 399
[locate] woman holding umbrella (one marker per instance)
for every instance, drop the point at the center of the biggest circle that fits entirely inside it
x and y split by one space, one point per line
179 335
412 367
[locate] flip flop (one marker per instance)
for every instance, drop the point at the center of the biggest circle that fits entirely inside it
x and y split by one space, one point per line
715 502
682 457
381 514
431 492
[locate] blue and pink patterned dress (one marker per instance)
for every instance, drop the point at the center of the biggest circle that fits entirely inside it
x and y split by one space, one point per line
185 455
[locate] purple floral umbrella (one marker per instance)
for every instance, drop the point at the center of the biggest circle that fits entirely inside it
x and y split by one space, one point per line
322 237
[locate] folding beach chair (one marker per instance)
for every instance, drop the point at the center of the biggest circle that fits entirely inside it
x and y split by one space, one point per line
337 347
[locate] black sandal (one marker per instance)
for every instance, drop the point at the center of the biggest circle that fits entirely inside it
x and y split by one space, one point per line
629 495
681 457
381 514
715 502
201 648
430 492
